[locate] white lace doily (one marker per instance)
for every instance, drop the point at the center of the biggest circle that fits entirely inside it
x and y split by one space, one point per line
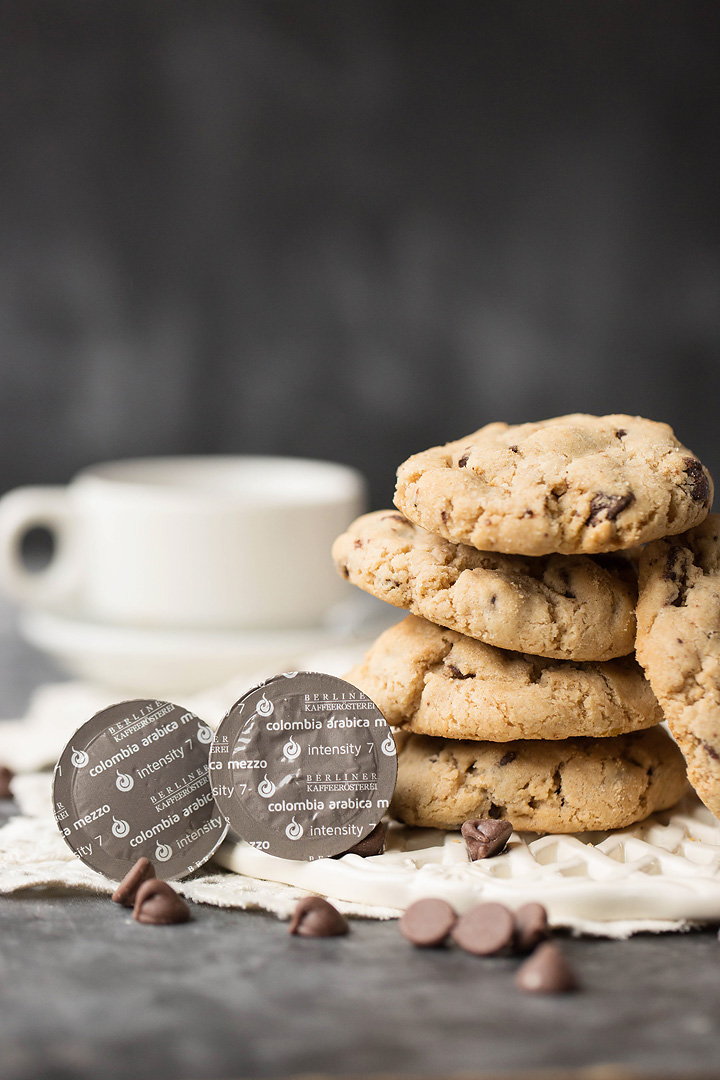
663 874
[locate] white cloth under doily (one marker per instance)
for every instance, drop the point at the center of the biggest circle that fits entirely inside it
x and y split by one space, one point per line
662 874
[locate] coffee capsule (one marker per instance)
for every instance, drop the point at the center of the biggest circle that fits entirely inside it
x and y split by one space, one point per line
303 766
132 782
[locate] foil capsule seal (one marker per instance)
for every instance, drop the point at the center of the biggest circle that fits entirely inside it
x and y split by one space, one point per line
133 781
303 766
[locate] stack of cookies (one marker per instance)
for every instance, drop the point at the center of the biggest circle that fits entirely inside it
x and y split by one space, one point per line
514 678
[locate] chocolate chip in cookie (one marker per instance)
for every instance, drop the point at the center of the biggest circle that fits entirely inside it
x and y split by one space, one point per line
607 507
698 483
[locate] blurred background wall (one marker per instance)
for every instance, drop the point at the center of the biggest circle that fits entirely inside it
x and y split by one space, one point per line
350 229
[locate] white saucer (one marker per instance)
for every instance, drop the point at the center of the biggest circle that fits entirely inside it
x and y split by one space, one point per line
155 662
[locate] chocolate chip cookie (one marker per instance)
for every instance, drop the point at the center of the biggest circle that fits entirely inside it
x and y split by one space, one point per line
428 679
679 645
566 606
575 785
575 484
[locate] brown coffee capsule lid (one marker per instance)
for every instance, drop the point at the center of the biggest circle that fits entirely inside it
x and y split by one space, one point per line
303 766
133 781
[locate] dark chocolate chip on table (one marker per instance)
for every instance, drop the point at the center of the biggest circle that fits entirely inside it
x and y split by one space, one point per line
427 922
485 930
315 917
546 972
373 844
157 904
485 837
126 891
6 778
531 927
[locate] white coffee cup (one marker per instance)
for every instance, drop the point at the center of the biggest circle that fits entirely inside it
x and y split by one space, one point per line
194 542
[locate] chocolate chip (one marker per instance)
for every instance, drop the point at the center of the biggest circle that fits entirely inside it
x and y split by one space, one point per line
699 486
710 751
485 930
507 758
462 462
6 778
373 844
443 516
344 570
514 449
546 972
456 673
620 433
613 504
677 567
565 578
669 573
531 927
485 837
143 870
427 922
358 544
315 917
157 904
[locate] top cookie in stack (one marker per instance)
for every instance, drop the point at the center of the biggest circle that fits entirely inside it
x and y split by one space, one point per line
577 484
505 539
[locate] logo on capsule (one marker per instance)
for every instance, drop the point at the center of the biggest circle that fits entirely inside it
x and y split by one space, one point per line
294 830
163 852
291 749
124 781
120 827
266 788
388 747
79 758
204 734
265 707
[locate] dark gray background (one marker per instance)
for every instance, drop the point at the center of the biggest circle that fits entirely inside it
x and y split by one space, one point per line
351 229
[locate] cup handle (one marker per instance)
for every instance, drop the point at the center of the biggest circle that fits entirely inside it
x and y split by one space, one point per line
20 511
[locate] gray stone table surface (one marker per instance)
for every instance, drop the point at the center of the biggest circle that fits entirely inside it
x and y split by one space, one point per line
86 992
